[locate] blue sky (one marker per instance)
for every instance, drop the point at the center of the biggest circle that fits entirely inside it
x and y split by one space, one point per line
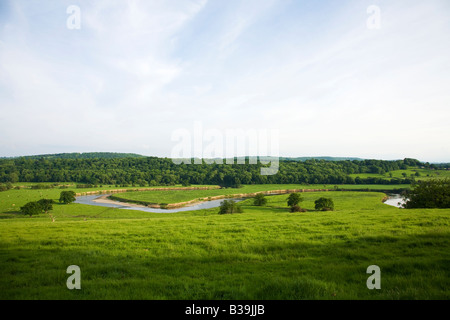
136 71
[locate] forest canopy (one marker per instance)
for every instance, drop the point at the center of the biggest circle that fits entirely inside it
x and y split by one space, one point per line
151 171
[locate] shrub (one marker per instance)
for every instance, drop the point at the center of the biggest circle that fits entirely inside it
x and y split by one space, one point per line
260 200
6 187
324 204
229 206
294 199
41 186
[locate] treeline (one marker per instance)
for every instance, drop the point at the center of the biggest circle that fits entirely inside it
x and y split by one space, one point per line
152 171
85 155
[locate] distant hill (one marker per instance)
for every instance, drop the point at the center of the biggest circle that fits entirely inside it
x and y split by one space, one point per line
320 158
86 155
300 159
114 155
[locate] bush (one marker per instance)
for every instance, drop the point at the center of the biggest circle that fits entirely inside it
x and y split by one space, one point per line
229 206
3 187
6 187
294 199
324 204
41 186
260 200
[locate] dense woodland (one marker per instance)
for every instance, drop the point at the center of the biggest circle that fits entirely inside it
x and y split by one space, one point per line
144 171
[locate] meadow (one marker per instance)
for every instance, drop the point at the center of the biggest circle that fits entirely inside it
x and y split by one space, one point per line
176 196
424 174
264 253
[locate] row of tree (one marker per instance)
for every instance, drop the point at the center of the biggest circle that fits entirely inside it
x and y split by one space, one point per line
46 205
293 201
163 171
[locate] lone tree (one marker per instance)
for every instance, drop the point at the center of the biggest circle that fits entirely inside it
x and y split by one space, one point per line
67 197
324 204
260 200
229 206
429 194
31 208
294 199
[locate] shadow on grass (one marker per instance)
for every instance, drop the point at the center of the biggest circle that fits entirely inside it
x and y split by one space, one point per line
11 214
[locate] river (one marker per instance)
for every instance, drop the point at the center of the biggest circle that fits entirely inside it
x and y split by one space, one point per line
203 205
395 200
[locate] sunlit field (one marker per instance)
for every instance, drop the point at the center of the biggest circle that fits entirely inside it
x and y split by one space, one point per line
264 253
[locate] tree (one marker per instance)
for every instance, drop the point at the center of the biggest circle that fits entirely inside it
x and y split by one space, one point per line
294 199
230 181
67 197
429 194
185 183
31 208
46 205
229 206
324 204
260 200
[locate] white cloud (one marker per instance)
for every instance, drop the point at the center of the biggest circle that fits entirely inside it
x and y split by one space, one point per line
138 70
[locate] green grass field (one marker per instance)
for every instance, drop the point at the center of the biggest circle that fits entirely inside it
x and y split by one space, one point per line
263 253
424 174
175 196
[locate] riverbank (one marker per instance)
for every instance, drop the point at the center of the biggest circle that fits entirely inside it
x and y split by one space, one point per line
105 199
91 193
176 205
179 197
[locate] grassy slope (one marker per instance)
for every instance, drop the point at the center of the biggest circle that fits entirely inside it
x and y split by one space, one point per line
264 253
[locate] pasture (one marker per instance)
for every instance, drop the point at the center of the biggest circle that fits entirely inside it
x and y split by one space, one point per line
264 253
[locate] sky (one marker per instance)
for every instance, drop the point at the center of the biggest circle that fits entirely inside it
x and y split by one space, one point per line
368 79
